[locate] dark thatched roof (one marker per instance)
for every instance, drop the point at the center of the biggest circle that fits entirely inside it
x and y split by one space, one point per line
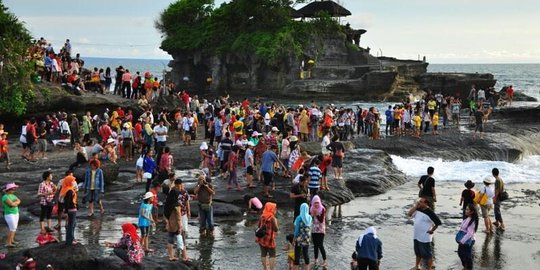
333 8
294 13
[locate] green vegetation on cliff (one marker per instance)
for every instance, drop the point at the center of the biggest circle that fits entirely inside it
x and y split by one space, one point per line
15 72
262 27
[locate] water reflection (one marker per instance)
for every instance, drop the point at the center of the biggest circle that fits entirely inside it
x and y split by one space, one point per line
206 245
492 258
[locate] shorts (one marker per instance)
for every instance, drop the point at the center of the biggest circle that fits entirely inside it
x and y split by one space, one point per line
42 143
265 251
171 238
12 220
435 127
249 170
422 250
32 147
337 162
92 196
486 209
431 113
139 168
154 210
268 178
24 145
144 230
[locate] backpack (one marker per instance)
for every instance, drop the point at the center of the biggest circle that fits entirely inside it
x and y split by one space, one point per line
260 232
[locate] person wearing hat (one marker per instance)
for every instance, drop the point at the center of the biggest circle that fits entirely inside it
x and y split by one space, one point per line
127 141
249 161
146 220
94 183
254 138
467 196
11 204
110 150
489 191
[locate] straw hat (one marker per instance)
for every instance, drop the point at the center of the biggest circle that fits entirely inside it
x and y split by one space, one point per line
148 195
293 139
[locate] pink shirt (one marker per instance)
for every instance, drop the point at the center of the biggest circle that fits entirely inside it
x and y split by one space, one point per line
469 230
256 203
126 77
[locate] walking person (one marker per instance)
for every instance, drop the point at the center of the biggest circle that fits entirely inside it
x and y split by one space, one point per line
46 192
467 196
486 207
338 153
369 250
466 236
146 220
426 184
318 213
302 232
149 168
425 224
267 243
499 190
269 157
205 192
11 204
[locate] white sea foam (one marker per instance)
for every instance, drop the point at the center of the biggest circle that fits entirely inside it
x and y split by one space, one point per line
526 170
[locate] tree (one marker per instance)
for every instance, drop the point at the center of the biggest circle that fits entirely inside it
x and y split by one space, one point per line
15 73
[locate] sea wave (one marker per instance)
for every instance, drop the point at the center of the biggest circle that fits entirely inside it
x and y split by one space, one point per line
523 171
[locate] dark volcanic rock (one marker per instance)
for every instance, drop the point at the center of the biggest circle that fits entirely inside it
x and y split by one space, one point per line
455 83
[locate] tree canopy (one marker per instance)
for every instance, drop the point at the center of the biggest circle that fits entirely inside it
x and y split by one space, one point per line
263 27
15 72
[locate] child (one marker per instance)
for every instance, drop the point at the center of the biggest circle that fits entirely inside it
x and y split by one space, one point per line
427 121
354 262
296 179
254 204
289 247
45 237
417 124
435 123
146 220
4 150
326 161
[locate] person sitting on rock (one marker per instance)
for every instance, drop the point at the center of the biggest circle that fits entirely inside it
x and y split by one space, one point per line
45 237
128 248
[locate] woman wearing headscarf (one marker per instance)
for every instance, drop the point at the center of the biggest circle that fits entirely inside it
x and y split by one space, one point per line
369 250
11 204
318 212
267 243
69 193
302 234
128 248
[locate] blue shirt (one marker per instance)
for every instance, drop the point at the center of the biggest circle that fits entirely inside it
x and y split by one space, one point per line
389 115
217 127
371 248
268 159
147 210
315 176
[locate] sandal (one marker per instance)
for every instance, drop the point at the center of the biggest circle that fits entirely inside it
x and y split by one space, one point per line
173 259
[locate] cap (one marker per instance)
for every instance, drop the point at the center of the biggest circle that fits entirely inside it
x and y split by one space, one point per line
148 195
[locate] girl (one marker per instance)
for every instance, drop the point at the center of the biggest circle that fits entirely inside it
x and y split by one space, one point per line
318 212
468 229
289 247
302 233
146 220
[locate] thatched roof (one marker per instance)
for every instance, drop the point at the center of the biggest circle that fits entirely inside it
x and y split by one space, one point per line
333 8
294 13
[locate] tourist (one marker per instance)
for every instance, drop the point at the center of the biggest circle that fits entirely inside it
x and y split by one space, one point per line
225 147
81 156
69 195
183 198
94 184
325 163
146 220
46 192
417 120
499 197
426 117
31 139
205 192
488 191
318 212
253 203
300 193
289 247
314 172
160 132
166 164
267 243
42 140
467 230
303 120
479 120
369 250
269 157
45 237
435 119
467 196
11 212
425 224
389 113
187 125
232 164
28 262
149 168
128 248
4 150
426 185
338 153
249 163
302 234
127 141
74 127
126 84
86 128
174 230
510 94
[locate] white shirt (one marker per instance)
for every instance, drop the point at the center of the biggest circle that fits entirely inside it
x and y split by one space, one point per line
161 129
187 123
422 224
490 191
325 142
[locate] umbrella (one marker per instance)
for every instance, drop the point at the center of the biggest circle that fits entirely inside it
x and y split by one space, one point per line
333 8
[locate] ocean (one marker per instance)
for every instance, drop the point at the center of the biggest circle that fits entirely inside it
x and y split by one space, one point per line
524 78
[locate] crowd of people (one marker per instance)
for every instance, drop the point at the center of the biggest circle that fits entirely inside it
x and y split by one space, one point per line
259 139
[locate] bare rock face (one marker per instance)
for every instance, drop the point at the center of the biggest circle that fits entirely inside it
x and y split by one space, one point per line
110 172
455 83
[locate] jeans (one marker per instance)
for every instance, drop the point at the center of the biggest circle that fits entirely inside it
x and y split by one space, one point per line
206 217
313 134
497 210
465 255
70 227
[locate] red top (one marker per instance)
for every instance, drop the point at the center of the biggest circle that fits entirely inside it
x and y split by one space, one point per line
43 239
3 146
325 163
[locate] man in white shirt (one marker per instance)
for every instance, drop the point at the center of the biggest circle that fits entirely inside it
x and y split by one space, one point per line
425 223
160 133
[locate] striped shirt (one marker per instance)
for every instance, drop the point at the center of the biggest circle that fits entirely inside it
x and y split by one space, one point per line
315 176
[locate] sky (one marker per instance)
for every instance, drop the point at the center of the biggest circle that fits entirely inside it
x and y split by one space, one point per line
456 31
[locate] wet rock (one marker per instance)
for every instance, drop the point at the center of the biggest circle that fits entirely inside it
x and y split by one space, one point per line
110 172
220 209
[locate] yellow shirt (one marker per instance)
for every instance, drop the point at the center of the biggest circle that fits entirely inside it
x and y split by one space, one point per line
431 104
435 120
417 120
93 180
